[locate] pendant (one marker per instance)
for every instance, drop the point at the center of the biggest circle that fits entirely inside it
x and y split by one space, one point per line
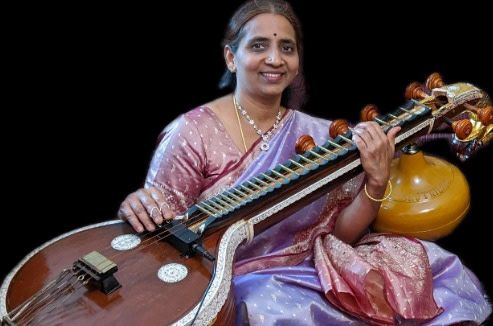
264 146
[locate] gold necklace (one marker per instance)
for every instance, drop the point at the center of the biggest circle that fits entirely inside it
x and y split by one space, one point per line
239 124
265 135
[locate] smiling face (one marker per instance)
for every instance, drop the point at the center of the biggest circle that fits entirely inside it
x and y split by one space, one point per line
266 60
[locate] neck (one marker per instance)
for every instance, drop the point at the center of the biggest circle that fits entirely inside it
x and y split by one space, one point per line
260 109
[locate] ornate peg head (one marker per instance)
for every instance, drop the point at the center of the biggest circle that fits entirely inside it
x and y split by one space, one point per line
338 127
434 81
304 143
369 112
485 115
462 128
415 91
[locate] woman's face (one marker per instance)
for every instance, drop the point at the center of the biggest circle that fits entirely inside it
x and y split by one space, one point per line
266 60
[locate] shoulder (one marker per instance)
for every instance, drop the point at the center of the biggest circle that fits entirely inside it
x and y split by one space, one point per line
208 112
186 124
192 119
198 116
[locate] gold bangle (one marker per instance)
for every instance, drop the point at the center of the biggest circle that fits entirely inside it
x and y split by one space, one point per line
382 199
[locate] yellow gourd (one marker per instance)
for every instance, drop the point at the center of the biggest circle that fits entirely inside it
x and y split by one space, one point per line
430 197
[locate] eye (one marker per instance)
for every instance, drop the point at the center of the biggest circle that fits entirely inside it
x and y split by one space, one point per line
258 46
287 48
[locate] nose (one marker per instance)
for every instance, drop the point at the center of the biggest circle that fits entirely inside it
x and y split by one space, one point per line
274 58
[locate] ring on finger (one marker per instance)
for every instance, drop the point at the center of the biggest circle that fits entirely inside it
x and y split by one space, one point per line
163 206
154 208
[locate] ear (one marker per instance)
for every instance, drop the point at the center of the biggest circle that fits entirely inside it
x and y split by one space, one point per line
229 58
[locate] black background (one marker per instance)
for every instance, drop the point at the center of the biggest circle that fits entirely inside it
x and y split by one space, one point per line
91 88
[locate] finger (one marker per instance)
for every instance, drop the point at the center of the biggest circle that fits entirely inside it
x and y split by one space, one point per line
392 134
150 204
376 133
122 213
165 212
145 198
156 194
364 134
366 125
142 214
359 141
158 197
126 214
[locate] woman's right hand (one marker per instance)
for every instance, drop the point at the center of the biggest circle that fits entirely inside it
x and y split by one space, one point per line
144 209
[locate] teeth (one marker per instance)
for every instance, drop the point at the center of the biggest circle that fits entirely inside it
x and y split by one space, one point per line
272 75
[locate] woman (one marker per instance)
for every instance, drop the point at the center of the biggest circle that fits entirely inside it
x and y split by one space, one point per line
381 280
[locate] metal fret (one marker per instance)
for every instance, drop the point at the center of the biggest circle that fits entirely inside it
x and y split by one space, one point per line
247 189
336 144
232 207
297 164
382 122
308 160
233 195
279 174
229 199
289 170
262 182
211 208
347 140
316 154
253 184
241 192
328 151
270 178
205 210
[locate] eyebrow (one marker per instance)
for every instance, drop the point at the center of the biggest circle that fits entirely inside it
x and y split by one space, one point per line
265 39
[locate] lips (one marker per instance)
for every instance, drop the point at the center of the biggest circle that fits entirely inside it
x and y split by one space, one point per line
272 76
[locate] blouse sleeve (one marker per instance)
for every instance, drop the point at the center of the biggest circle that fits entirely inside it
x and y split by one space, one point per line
178 164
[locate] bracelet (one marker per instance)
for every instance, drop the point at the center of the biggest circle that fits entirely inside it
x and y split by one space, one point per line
382 199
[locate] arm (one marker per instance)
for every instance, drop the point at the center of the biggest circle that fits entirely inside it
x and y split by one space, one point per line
174 179
376 154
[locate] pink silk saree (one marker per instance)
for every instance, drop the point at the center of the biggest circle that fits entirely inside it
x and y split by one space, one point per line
296 272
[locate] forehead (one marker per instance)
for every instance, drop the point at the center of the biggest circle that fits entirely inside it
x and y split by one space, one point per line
266 25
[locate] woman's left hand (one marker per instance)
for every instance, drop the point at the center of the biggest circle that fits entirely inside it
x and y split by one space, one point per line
376 152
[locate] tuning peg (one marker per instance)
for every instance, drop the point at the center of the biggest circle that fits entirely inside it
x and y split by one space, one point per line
415 91
304 143
485 115
435 80
338 127
369 112
462 128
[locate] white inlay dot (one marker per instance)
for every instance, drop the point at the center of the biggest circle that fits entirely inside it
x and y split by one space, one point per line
125 242
172 273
